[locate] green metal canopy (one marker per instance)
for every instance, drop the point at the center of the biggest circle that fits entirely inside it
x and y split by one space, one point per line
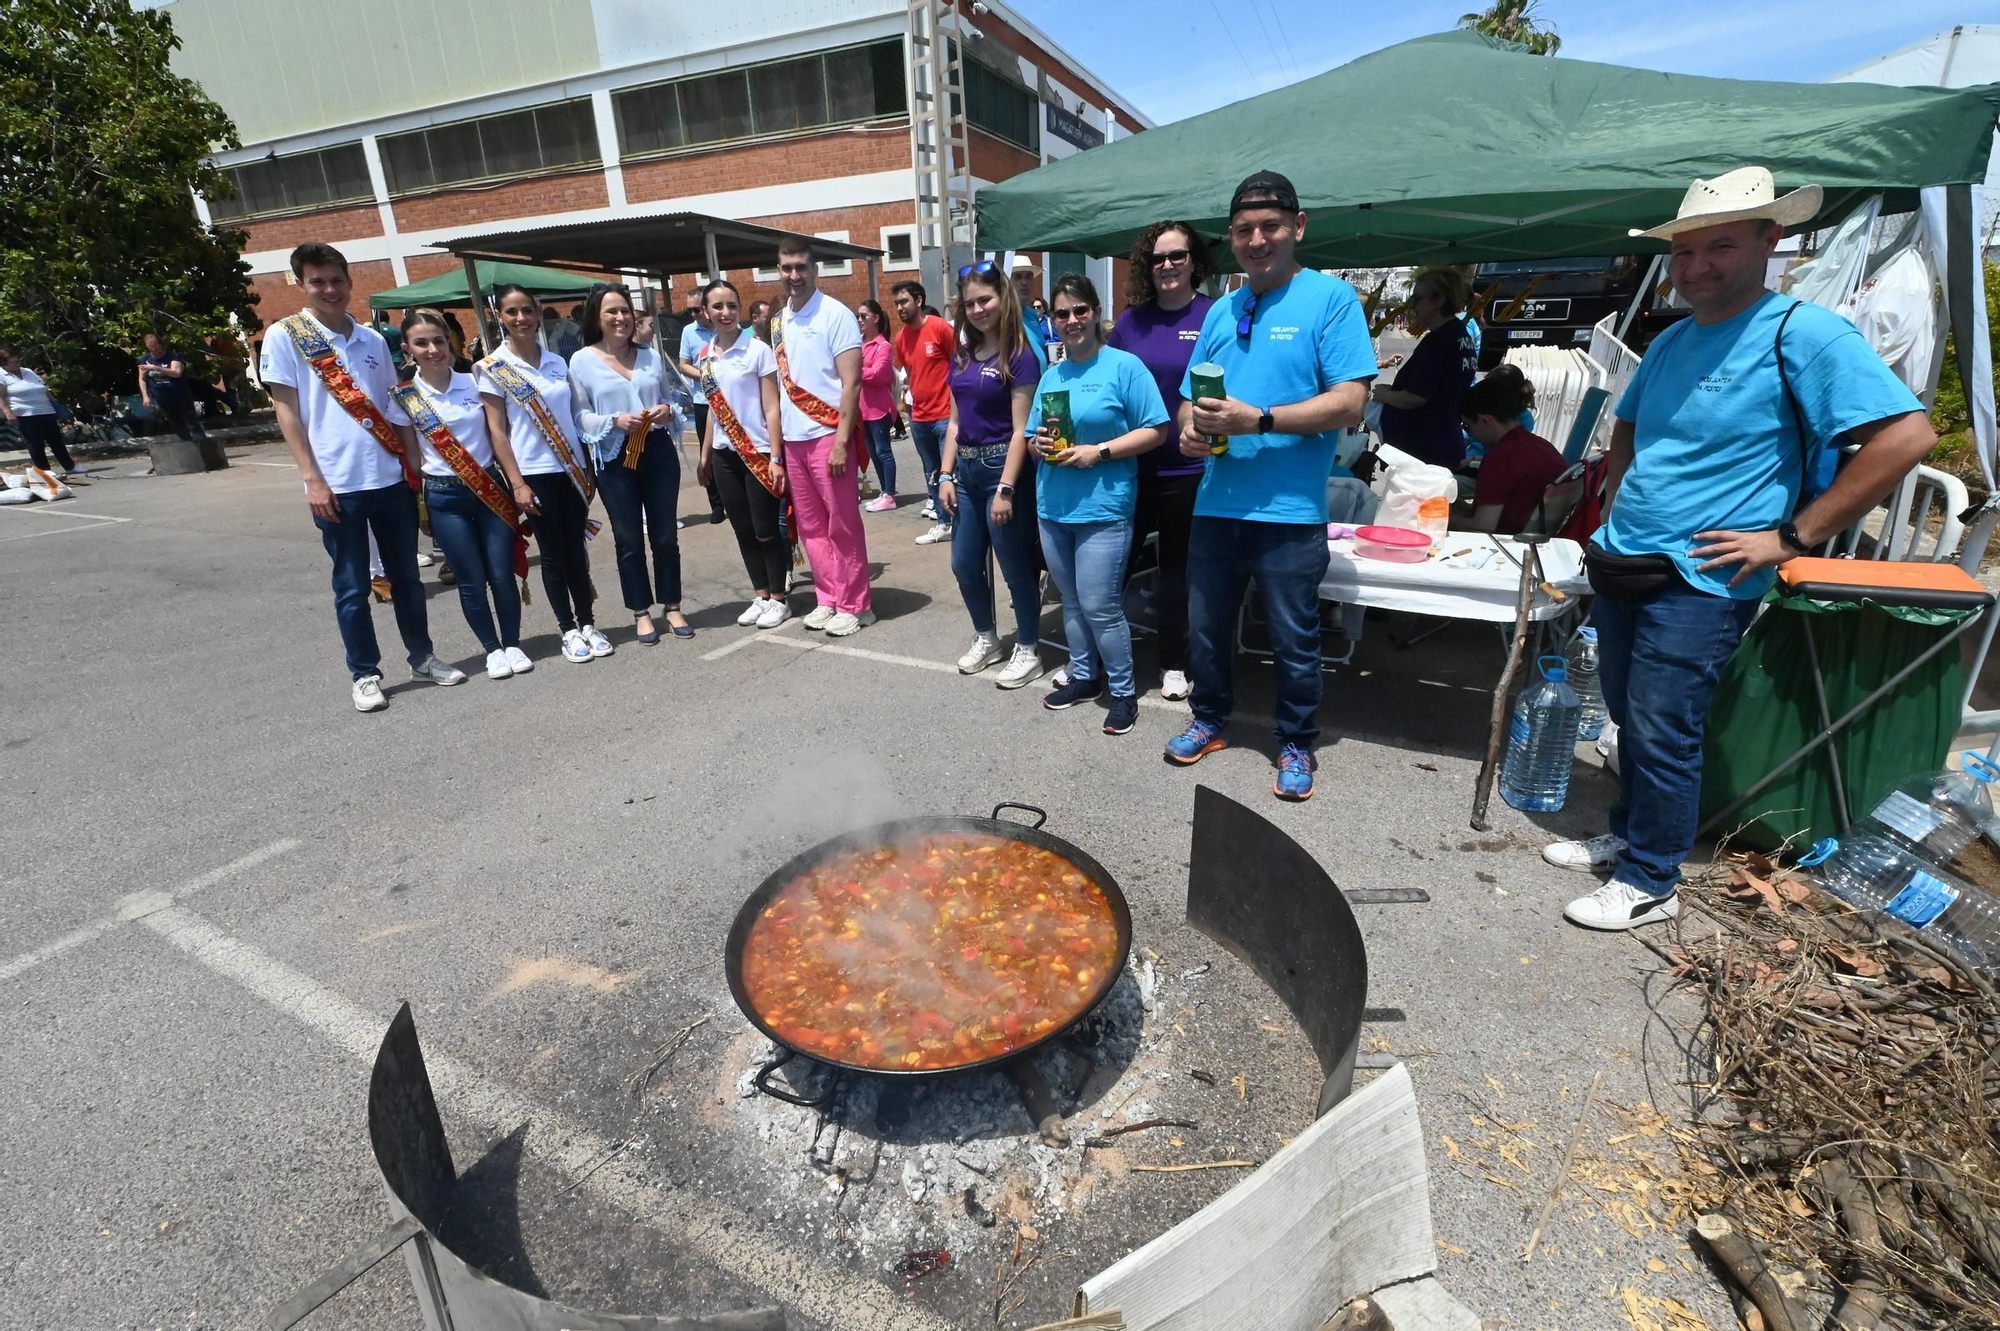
1459 148
448 289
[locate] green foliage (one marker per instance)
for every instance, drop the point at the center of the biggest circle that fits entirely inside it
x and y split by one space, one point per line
99 240
1949 413
1514 21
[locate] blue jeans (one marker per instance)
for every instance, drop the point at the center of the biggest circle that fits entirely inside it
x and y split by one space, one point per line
928 439
1659 659
1288 559
480 549
883 452
1012 543
641 503
1087 560
391 513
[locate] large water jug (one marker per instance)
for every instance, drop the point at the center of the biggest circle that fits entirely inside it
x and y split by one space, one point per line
1939 814
1878 873
1541 742
1583 679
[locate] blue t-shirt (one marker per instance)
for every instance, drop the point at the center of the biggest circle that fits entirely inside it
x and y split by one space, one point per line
1305 337
693 338
1038 337
1111 394
1714 444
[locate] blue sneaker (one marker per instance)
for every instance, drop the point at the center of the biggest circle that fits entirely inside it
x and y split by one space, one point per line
1195 743
1295 773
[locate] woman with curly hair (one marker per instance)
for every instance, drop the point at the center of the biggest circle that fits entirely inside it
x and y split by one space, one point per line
1163 313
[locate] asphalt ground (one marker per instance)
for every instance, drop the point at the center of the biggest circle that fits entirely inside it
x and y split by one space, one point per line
222 881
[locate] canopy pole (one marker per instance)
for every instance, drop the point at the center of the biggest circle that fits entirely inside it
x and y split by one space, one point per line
1646 285
874 282
477 295
708 252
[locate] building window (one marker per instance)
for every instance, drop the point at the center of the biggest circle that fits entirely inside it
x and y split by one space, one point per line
899 248
513 143
840 87
834 267
1001 107
319 179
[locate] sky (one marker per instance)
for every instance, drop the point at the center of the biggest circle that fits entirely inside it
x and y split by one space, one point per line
1225 50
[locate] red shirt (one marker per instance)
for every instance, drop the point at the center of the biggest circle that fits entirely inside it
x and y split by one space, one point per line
925 350
1515 473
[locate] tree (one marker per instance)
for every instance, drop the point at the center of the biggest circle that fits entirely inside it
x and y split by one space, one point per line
1514 21
100 146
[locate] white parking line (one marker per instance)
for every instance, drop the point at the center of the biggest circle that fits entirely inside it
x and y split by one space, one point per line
253 462
749 636
56 510
140 904
703 1226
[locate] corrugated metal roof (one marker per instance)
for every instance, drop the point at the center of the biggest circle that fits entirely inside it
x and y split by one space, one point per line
667 243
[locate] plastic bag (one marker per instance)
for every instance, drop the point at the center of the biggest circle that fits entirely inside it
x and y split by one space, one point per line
36 483
1418 496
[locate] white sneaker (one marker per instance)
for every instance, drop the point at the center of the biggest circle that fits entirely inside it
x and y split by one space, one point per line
882 503
752 612
368 694
820 616
1023 667
1174 685
775 611
576 647
521 662
436 671
1599 852
424 559
599 644
1619 905
940 531
845 625
985 651
929 509
497 665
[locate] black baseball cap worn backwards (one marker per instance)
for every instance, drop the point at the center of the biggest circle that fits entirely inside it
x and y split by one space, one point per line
1267 189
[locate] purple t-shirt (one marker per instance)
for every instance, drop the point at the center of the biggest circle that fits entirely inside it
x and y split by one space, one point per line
985 413
1164 342
1439 371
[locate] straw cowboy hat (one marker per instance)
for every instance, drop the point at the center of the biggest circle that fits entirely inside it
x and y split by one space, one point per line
1023 264
1743 195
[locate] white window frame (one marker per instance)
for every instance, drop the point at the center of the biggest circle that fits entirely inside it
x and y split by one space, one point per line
764 275
915 260
843 268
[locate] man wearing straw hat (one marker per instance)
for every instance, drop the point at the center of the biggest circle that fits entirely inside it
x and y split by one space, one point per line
1714 442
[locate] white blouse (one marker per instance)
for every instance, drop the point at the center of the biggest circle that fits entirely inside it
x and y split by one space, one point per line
464 414
603 394
739 376
551 379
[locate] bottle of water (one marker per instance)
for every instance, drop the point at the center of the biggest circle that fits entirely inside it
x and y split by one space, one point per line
1884 874
1541 742
1583 679
1939 814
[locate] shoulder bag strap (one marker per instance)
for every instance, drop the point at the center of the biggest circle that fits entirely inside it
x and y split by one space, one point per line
1792 401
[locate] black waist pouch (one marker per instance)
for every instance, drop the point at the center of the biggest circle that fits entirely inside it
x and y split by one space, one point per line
1628 577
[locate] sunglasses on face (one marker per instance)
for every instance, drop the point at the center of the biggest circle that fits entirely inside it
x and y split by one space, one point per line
1071 312
1169 258
1249 311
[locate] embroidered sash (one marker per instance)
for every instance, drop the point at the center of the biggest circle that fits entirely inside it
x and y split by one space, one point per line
814 408
758 464
318 352
477 479
516 386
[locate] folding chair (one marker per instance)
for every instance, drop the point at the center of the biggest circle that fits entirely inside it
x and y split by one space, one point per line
1585 424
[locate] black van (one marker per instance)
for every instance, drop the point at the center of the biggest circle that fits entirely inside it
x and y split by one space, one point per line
1569 300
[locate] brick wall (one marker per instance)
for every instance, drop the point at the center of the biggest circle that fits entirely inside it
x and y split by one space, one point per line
863 226
844 152
998 30
996 159
329 227
446 209
277 298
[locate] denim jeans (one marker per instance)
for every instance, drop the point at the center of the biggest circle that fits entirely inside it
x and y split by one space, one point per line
642 503
391 513
883 453
928 439
1013 544
480 549
1288 559
1166 505
1087 560
1659 659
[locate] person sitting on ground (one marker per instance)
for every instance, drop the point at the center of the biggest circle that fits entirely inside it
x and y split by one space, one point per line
1520 466
1419 412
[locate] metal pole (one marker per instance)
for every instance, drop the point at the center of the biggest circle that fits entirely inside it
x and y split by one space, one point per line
874 282
477 295
708 251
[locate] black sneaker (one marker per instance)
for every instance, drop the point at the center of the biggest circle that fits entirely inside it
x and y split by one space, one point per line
1124 715
1072 693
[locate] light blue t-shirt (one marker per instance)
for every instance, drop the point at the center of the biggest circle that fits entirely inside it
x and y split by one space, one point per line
1305 337
1111 394
1037 336
693 338
1715 447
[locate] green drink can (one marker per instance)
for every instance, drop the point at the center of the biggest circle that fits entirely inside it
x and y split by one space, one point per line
1206 381
1055 409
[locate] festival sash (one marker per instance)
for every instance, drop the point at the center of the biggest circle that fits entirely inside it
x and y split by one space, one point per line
476 478
814 408
312 344
758 464
516 386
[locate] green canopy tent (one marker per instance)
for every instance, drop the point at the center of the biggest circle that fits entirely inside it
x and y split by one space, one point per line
1502 155
448 289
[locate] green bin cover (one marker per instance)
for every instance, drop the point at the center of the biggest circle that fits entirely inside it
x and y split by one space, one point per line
1764 712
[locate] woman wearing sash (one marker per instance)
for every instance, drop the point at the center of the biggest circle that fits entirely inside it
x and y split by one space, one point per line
742 451
530 418
623 409
472 515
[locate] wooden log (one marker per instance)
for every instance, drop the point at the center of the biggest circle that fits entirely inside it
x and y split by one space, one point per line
1864 1296
1746 1266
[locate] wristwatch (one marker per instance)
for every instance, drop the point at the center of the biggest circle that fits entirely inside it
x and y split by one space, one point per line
1104 452
1004 489
1266 422
1788 532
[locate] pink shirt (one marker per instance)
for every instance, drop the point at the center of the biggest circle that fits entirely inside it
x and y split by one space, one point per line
878 379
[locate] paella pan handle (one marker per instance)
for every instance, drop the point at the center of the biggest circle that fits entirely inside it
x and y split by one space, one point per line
1041 815
763 1083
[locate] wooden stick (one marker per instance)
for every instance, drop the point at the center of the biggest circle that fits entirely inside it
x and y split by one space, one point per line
1562 1175
1746 1267
1483 791
1142 1125
1865 1298
1182 1169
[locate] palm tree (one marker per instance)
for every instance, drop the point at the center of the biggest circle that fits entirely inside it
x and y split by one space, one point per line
1514 21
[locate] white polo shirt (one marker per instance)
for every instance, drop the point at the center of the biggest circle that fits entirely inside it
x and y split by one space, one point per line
813 336
739 374
551 380
349 457
464 414
27 394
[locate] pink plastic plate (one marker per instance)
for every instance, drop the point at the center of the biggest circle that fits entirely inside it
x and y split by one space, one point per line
1393 545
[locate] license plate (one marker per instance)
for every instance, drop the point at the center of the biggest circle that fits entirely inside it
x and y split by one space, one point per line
1525 334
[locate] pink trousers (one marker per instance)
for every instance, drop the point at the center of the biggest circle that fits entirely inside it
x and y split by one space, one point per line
829 513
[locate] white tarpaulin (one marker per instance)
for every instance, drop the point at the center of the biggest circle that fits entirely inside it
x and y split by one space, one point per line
1830 277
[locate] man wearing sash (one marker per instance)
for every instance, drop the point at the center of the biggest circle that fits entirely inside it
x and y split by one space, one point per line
818 346
330 380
